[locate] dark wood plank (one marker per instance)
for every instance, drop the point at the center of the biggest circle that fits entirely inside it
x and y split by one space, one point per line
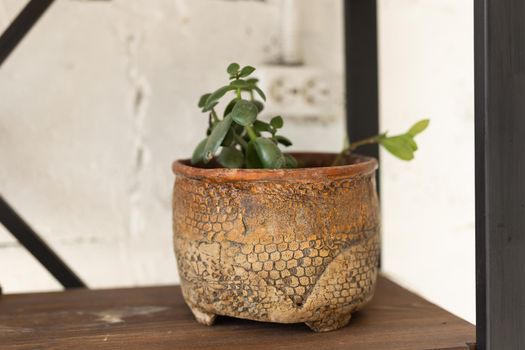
500 173
157 318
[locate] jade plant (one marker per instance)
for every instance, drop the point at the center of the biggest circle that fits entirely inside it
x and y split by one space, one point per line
242 140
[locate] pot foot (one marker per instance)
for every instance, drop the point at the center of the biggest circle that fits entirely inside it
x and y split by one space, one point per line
329 324
203 317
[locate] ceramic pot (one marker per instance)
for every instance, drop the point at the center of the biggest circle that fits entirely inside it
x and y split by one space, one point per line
292 245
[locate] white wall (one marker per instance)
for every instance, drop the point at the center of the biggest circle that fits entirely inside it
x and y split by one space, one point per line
100 98
98 101
426 70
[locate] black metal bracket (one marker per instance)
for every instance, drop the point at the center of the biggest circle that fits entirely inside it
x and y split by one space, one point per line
21 25
500 173
9 40
362 91
37 247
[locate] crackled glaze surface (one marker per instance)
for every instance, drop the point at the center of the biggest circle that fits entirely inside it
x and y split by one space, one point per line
294 246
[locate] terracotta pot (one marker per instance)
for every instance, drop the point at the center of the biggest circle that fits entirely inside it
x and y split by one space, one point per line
294 245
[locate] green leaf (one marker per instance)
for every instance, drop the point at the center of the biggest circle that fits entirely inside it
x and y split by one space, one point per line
283 140
290 161
198 153
244 113
259 104
277 122
246 71
210 107
239 84
252 81
216 137
215 96
260 92
398 147
233 68
418 127
229 107
260 126
269 153
409 140
231 157
252 158
228 139
202 100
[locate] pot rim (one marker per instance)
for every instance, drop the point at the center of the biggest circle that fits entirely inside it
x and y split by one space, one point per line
361 166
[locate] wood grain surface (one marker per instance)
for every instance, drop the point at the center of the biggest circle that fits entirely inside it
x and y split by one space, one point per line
158 318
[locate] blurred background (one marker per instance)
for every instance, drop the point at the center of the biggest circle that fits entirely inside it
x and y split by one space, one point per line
100 98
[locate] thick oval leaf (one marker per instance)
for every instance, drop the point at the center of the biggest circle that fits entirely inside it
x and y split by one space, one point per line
252 81
215 96
244 113
290 161
259 105
229 107
210 107
233 68
245 71
418 127
216 137
260 126
269 153
228 139
238 129
231 157
252 158
202 100
277 122
283 140
198 153
260 92
239 84
398 147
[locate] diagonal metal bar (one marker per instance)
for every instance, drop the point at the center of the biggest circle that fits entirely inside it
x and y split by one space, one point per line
21 25
37 247
9 40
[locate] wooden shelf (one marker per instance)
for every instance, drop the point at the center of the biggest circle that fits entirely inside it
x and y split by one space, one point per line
157 318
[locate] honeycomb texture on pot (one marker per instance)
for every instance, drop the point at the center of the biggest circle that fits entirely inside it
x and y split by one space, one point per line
283 251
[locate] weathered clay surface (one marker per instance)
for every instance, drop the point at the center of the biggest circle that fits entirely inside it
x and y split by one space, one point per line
284 246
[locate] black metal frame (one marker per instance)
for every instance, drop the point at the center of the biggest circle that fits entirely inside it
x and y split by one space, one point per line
21 25
500 152
9 40
362 92
37 247
500 173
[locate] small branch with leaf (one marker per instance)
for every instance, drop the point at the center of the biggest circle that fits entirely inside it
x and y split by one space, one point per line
247 142
402 146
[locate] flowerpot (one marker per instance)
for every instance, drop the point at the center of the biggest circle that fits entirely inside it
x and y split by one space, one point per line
288 246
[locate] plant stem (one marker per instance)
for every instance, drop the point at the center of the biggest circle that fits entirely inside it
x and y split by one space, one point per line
251 133
238 94
240 140
353 146
214 115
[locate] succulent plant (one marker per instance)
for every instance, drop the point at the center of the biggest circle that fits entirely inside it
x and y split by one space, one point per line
241 140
